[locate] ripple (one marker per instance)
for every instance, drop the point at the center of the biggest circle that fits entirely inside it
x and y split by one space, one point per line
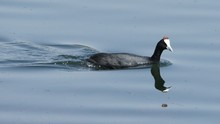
22 54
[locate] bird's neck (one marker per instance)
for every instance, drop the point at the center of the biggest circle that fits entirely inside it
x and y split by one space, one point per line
156 56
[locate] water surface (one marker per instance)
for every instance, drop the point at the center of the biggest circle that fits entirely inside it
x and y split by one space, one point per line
43 78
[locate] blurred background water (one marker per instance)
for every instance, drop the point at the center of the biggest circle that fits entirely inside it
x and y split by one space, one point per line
44 80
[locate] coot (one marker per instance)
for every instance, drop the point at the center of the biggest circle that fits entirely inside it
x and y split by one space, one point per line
126 60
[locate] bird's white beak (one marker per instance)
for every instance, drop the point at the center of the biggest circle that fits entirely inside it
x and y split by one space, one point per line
170 48
167 41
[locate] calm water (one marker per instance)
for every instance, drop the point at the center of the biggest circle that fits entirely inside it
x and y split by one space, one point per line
44 78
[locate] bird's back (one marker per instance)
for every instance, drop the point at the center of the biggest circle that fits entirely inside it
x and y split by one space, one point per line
118 60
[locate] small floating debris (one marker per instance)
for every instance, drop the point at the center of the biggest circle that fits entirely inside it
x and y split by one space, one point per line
164 105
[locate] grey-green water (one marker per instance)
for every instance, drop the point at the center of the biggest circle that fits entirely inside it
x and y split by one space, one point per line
43 78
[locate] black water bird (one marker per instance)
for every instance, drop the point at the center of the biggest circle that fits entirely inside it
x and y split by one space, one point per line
127 60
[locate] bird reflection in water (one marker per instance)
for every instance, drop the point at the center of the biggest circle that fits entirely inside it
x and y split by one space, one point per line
159 82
